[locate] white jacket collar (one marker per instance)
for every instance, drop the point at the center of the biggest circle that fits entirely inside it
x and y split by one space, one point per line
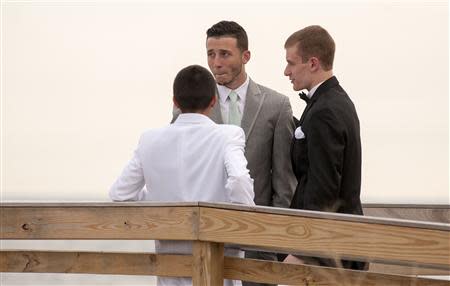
193 118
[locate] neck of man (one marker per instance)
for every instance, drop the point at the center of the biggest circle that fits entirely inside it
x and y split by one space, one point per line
321 77
206 111
238 81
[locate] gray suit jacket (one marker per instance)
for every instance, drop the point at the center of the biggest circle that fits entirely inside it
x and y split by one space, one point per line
268 125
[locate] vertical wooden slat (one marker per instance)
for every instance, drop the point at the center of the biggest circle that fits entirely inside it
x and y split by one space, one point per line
208 264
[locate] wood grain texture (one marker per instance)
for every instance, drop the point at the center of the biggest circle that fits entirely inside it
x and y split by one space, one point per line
99 223
182 266
406 270
208 263
407 206
393 241
102 204
429 213
291 274
327 238
417 213
96 263
327 215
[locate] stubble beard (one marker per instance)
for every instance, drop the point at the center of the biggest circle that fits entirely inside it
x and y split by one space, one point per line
234 75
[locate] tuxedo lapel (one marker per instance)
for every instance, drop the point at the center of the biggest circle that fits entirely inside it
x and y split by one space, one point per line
323 88
253 104
308 107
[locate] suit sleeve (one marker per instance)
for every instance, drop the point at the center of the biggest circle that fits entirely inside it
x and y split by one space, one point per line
326 146
283 178
239 183
129 186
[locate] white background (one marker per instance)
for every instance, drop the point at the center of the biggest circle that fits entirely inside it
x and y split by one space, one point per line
80 80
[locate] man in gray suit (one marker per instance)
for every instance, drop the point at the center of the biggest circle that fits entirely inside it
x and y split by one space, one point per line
264 114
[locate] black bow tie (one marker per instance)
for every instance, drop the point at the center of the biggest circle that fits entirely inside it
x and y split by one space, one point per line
304 97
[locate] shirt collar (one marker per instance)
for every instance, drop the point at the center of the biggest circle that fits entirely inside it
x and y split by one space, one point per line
241 90
313 90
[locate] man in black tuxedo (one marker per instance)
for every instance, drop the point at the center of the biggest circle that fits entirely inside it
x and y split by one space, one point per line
326 149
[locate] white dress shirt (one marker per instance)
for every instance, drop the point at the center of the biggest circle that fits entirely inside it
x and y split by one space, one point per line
224 91
193 159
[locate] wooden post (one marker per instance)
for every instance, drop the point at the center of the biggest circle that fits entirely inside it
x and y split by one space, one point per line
208 263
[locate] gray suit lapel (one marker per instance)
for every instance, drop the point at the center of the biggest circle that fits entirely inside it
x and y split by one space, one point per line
216 113
253 104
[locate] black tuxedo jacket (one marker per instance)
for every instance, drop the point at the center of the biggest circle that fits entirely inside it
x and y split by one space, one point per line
327 161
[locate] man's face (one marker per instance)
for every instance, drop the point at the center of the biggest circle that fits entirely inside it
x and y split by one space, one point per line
298 72
226 61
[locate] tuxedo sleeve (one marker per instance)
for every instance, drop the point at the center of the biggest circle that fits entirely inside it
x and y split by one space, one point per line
283 178
326 144
129 186
239 184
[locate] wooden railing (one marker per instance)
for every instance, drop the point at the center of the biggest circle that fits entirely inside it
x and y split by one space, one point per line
417 212
411 244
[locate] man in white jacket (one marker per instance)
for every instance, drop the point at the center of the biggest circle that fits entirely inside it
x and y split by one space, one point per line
193 159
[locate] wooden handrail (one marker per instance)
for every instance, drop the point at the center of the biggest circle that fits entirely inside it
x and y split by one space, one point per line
429 213
395 241
331 235
97 221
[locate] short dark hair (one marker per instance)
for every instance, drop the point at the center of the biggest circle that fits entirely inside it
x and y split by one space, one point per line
229 29
193 88
314 41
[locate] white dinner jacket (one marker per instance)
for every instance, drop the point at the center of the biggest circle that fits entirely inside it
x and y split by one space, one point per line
193 159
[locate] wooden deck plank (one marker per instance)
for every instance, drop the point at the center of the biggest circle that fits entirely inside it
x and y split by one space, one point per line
96 263
184 266
291 274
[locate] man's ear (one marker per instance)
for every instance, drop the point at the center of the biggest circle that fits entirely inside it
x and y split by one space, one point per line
213 101
246 56
314 64
175 102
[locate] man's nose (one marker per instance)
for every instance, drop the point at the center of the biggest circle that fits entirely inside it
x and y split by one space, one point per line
286 72
217 62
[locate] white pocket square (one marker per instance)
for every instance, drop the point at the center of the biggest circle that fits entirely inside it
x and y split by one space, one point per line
299 133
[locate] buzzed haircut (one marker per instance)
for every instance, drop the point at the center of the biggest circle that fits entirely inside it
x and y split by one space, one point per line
314 41
193 88
229 29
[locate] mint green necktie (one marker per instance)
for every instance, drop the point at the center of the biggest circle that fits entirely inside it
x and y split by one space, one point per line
234 116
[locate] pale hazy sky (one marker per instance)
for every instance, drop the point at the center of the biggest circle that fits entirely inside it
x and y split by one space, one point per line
82 79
